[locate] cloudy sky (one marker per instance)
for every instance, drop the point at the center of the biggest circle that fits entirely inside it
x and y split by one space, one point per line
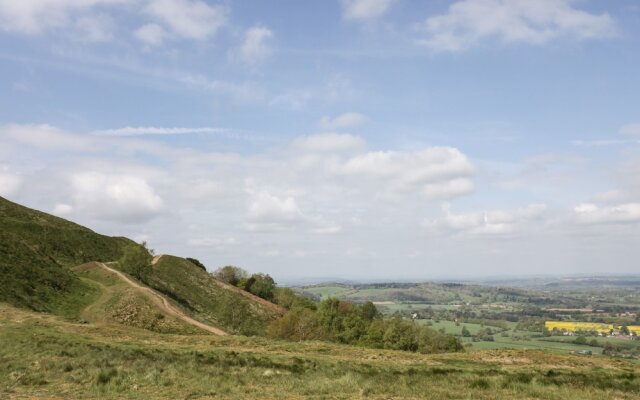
369 139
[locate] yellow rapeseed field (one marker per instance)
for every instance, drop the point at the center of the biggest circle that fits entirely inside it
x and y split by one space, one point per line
587 326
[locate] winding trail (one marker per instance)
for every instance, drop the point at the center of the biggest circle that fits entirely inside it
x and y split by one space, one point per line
155 259
162 302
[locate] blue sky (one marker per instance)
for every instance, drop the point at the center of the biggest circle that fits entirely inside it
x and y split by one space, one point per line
370 139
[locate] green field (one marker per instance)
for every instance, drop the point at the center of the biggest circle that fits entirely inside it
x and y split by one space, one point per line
450 327
327 291
521 339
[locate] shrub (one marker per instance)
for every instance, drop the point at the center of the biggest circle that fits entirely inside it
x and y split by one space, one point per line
262 285
288 299
136 261
298 324
230 274
105 376
197 263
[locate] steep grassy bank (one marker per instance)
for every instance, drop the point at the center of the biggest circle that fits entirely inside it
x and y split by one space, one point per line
204 298
36 250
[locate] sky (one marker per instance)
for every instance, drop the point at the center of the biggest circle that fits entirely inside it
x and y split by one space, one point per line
352 139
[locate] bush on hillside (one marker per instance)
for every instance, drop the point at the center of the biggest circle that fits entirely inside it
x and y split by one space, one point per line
297 325
197 263
230 274
262 285
136 261
288 299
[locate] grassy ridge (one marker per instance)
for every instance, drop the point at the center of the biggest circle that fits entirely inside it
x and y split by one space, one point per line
42 356
36 250
200 296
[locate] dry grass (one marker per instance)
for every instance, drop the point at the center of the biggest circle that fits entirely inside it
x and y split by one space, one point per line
46 357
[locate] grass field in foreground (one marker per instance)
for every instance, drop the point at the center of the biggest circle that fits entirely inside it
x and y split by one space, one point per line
45 356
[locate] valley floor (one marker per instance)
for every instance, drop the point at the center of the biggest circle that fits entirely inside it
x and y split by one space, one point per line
43 356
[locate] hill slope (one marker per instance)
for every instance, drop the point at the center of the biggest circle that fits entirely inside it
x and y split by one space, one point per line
36 251
209 300
128 302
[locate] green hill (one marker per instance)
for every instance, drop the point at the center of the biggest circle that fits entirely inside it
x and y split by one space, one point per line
36 251
207 299
121 303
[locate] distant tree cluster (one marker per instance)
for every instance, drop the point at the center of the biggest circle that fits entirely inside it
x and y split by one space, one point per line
344 322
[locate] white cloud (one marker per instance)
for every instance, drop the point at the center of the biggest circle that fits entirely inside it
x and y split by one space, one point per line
254 49
36 16
217 243
424 169
95 28
494 222
122 198
62 209
151 34
9 182
468 22
448 189
364 10
44 136
272 253
189 19
590 213
346 120
244 92
630 129
268 212
335 89
329 142
611 196
153 130
329 229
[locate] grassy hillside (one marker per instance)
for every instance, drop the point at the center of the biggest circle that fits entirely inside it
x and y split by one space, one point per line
202 296
36 250
123 304
46 357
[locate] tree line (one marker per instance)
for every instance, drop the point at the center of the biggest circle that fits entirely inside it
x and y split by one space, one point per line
337 320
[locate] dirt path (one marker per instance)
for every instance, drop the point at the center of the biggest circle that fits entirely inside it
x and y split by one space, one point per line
155 259
162 302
